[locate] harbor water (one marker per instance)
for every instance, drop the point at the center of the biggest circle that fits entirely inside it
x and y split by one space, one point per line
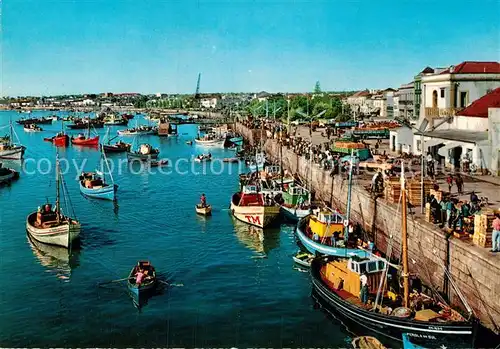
234 286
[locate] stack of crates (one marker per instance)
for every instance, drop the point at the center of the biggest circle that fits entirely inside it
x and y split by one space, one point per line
483 228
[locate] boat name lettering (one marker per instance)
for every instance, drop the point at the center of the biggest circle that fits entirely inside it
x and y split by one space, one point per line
417 335
252 219
435 328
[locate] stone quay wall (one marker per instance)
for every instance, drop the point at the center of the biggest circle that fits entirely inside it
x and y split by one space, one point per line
475 272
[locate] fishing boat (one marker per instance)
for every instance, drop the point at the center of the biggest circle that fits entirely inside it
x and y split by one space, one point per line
7 175
322 232
296 202
427 319
145 152
41 121
203 158
147 284
94 185
210 140
139 131
83 124
115 120
304 259
189 142
158 163
118 147
51 226
60 139
367 342
258 163
251 207
10 150
203 210
230 160
86 140
32 128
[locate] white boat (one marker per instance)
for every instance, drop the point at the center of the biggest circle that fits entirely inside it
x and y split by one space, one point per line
32 128
52 226
250 206
139 131
10 150
207 142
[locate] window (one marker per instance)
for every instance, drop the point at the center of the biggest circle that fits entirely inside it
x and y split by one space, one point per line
362 268
464 99
372 267
381 265
442 93
419 145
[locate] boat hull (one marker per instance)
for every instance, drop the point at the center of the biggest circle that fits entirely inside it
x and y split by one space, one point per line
9 177
142 157
90 142
211 143
107 192
62 235
427 334
114 149
16 153
204 211
316 248
294 214
259 216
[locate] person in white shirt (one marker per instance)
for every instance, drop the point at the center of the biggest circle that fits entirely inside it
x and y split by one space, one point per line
364 288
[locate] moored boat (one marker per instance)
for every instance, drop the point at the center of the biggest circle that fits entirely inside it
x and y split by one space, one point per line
203 157
118 147
304 259
145 152
32 128
230 160
10 150
93 185
189 142
147 281
296 202
7 175
139 131
51 226
86 140
41 121
60 140
251 207
203 210
367 342
158 163
210 140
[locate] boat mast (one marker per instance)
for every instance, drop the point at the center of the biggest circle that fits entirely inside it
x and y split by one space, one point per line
349 190
404 239
11 140
58 199
309 180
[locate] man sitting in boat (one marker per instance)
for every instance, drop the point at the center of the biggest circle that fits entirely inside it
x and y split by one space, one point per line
203 200
45 217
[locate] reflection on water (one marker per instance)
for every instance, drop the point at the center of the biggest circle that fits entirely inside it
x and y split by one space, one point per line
58 260
260 240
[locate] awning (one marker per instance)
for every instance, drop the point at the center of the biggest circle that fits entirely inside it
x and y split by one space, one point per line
431 142
443 151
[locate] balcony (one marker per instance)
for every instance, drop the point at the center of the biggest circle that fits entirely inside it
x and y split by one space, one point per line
441 112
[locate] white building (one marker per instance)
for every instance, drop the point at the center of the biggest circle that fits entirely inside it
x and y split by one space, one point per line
403 101
360 102
209 103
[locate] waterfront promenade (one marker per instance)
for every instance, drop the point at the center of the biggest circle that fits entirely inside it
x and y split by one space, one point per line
473 268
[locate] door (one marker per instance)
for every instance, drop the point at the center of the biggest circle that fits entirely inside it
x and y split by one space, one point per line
393 143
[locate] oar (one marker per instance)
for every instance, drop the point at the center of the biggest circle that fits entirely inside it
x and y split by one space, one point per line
109 282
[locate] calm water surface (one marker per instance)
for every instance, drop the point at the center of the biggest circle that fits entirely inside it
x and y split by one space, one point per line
240 286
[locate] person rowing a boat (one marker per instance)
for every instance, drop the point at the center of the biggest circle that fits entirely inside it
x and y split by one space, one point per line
203 200
139 276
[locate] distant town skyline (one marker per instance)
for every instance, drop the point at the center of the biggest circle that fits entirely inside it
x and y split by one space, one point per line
74 47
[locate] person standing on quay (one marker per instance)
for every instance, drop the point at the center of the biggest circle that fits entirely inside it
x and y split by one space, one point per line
495 247
449 180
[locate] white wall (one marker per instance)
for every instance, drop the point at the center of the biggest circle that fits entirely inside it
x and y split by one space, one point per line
494 139
466 123
402 138
475 89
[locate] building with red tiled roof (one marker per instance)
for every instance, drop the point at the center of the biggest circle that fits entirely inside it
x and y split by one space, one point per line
479 108
470 67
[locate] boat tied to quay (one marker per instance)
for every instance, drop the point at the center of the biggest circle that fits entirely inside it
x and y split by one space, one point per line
51 226
251 207
349 285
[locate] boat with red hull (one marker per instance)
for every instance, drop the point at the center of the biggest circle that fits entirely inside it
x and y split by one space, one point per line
59 140
84 141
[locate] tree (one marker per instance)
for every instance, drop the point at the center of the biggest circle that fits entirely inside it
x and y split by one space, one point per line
317 88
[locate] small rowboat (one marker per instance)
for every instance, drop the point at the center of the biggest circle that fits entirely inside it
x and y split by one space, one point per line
230 160
147 284
367 342
94 186
205 211
159 163
7 175
189 142
203 158
303 259
32 128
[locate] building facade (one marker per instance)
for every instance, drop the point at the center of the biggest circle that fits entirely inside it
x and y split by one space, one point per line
405 96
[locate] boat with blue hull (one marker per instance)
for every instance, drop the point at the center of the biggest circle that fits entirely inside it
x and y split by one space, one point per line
94 185
147 283
316 247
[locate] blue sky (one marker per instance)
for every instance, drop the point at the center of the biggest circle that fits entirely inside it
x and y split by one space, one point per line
78 46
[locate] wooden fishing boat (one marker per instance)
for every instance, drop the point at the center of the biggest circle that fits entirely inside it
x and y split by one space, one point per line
322 233
304 259
92 184
118 147
7 175
296 202
59 140
203 158
41 121
10 150
139 131
82 125
250 206
159 163
147 284
84 141
145 152
52 226
32 128
114 120
210 140
367 342
427 320
203 210
230 160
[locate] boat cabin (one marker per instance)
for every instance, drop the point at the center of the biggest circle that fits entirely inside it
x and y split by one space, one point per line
326 223
346 274
295 194
273 170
